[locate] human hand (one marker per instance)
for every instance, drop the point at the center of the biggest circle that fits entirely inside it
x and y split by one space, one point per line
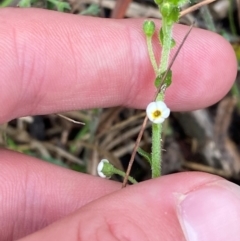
52 62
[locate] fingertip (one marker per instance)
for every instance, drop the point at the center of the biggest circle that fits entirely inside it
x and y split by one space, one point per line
204 71
74 62
210 212
119 215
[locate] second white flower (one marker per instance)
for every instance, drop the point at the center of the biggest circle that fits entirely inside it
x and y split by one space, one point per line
157 112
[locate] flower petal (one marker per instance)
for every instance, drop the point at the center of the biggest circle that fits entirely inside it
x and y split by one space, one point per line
166 113
100 167
160 105
157 106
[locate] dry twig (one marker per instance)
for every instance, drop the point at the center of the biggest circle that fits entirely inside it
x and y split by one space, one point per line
71 120
195 7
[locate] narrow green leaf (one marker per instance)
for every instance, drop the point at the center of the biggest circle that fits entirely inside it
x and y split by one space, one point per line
144 154
61 6
168 80
173 43
157 81
173 16
92 10
160 36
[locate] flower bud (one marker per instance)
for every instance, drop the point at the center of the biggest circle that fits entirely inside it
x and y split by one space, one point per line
149 28
166 9
105 169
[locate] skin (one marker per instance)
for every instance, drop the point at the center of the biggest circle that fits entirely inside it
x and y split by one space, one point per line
52 62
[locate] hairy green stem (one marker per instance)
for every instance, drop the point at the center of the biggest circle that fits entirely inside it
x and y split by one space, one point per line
151 54
157 145
157 128
122 174
166 48
156 150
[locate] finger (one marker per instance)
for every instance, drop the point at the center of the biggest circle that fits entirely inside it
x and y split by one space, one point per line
35 193
53 62
186 206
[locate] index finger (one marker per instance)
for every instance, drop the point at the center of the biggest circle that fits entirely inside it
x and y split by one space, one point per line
52 62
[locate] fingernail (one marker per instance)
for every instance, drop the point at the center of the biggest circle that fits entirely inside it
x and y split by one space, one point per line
211 212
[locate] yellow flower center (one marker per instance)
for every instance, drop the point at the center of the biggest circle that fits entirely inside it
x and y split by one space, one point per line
157 113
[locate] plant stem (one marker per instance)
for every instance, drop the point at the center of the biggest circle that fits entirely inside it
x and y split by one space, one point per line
151 54
166 48
157 145
156 150
122 174
157 128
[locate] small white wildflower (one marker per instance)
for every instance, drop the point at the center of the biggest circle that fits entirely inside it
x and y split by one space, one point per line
100 168
157 112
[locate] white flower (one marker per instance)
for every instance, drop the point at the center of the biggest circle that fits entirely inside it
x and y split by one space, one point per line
100 168
157 112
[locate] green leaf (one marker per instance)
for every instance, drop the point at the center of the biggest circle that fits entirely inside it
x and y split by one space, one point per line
168 80
11 144
160 36
144 154
157 81
85 130
92 10
173 43
178 3
61 6
173 16
24 4
166 9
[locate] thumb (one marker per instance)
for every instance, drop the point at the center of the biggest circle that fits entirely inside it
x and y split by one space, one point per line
186 206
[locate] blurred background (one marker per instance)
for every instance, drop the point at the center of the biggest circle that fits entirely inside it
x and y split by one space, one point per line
205 140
